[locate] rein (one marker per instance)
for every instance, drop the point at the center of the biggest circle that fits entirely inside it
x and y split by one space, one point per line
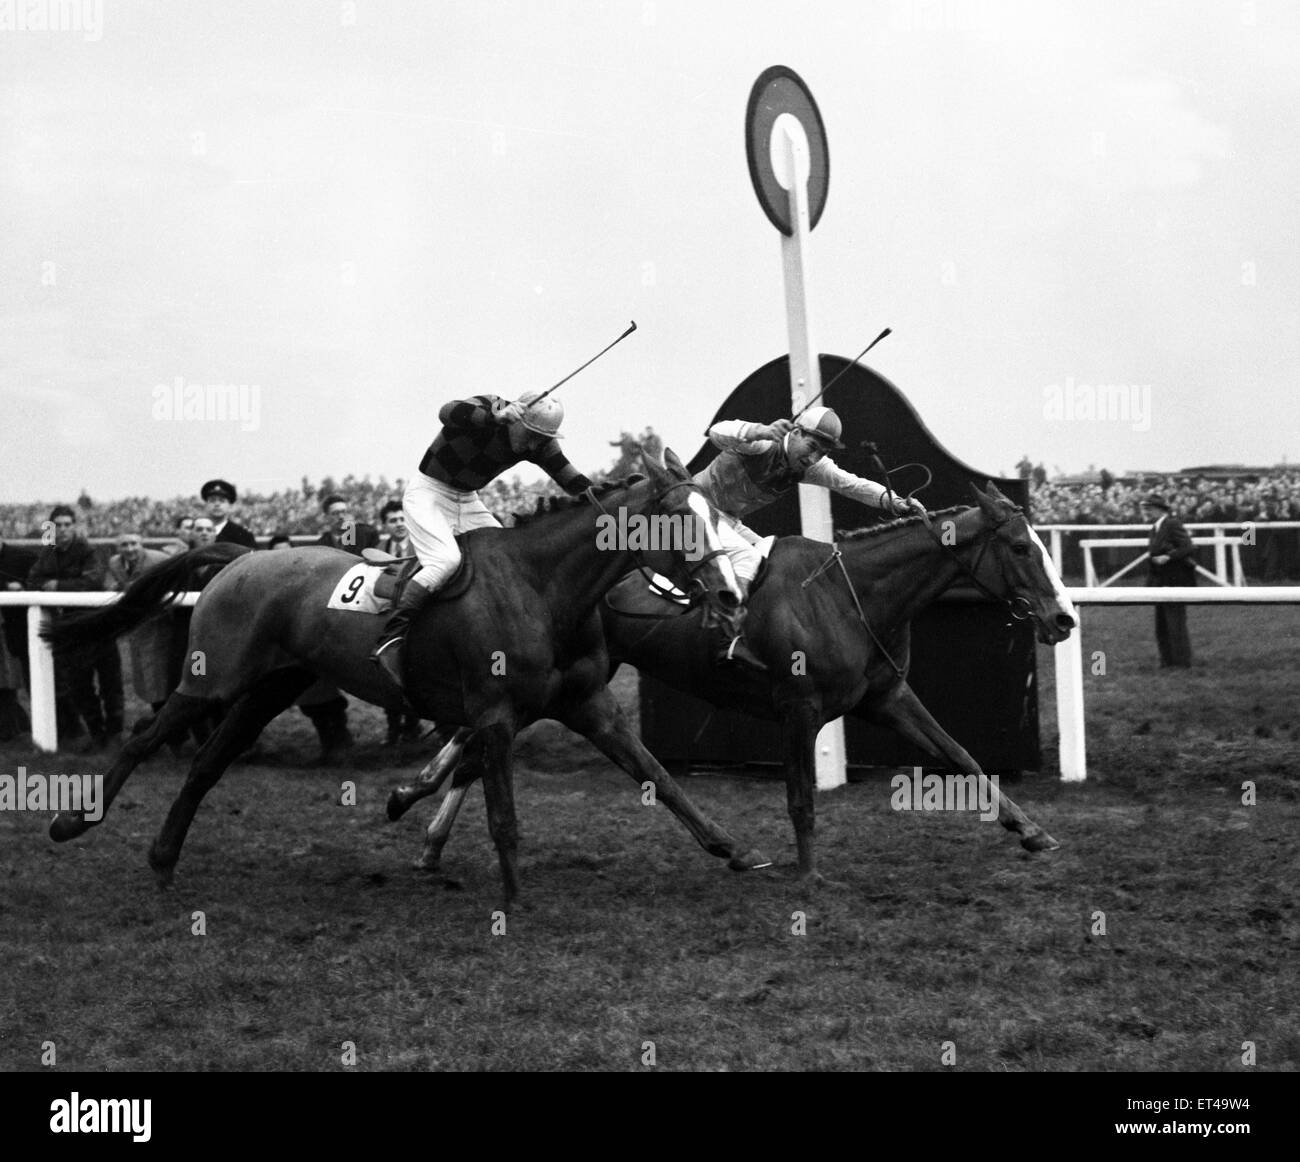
1018 607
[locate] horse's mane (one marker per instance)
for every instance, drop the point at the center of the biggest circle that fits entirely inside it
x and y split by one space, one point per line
901 523
546 505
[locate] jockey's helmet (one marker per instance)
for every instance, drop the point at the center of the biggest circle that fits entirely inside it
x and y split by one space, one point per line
543 416
822 423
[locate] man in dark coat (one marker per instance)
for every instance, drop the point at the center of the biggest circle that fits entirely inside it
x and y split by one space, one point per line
1171 554
15 563
343 532
219 495
71 564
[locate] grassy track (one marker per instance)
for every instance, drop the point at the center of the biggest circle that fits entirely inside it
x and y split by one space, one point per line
319 932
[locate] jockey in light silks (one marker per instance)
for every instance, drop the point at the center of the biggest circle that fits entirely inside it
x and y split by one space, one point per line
481 437
758 464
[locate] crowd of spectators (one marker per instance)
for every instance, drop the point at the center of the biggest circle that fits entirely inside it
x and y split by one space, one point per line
294 512
1274 496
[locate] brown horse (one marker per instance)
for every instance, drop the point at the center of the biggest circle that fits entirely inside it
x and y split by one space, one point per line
523 642
832 624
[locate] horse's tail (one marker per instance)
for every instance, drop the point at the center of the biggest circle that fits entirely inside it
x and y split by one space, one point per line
145 596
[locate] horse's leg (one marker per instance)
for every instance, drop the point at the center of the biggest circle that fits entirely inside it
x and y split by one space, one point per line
429 780
497 743
439 831
902 710
178 713
270 695
600 719
800 722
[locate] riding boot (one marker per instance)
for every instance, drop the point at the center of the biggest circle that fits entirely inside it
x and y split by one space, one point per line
733 651
389 653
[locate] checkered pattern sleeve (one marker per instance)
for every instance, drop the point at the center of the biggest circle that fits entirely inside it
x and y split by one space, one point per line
557 466
475 412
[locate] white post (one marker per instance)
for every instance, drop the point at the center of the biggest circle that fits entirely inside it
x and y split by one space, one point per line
1069 704
791 164
45 728
1056 553
1220 558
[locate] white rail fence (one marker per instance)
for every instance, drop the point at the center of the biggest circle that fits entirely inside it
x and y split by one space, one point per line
1224 536
45 733
1069 654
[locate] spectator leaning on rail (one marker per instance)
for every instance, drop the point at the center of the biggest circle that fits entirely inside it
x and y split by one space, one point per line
70 564
480 438
219 495
15 563
150 644
758 464
1172 564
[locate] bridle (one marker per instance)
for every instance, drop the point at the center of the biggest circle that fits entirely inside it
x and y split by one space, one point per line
696 590
1020 608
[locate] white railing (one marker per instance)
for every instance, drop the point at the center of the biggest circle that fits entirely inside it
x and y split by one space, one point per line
1217 529
45 731
1220 576
1069 654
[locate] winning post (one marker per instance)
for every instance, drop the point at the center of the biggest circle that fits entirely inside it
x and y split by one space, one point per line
789 165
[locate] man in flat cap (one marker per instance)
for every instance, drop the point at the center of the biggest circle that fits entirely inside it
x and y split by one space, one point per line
1171 551
219 495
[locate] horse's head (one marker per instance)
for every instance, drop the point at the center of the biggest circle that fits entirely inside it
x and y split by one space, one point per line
691 552
1032 585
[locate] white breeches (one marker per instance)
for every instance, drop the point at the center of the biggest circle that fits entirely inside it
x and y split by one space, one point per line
435 513
739 543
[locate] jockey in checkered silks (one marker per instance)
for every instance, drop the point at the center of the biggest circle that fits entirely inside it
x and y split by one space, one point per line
481 437
758 464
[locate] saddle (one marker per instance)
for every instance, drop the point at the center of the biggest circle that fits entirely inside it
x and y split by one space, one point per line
398 571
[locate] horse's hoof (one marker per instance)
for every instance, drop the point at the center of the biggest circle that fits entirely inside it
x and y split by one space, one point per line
65 826
424 864
749 861
1039 841
396 806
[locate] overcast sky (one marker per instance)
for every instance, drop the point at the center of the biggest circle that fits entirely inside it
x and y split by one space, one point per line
363 210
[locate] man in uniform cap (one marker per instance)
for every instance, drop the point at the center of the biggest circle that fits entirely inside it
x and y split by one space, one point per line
480 438
760 463
1171 551
219 495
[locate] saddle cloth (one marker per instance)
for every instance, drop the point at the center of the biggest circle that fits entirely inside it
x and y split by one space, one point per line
375 585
